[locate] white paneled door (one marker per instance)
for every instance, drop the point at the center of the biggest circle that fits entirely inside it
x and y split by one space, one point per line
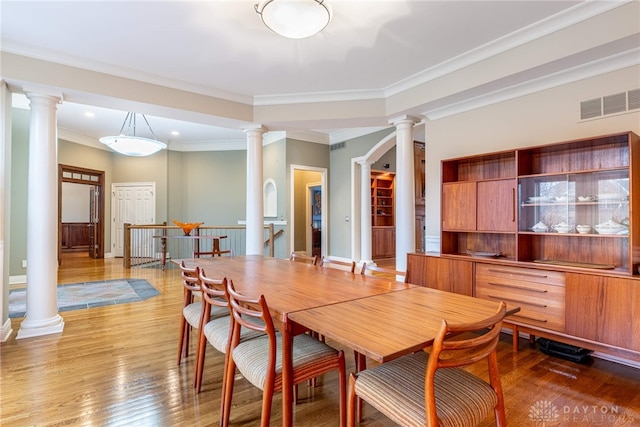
132 203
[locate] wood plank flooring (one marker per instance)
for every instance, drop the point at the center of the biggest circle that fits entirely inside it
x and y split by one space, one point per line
116 366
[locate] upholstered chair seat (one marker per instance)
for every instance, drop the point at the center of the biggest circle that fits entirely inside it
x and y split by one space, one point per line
462 399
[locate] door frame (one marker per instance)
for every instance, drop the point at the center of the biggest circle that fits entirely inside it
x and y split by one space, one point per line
323 200
83 176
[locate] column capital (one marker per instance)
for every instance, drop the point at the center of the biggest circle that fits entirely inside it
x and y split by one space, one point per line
259 129
35 91
404 119
363 161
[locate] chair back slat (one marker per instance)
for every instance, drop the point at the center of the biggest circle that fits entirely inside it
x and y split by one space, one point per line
460 344
213 290
338 264
372 269
296 257
250 312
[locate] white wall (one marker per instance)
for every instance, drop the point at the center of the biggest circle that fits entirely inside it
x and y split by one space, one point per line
544 117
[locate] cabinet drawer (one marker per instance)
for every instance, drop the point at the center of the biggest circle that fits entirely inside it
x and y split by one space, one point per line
539 294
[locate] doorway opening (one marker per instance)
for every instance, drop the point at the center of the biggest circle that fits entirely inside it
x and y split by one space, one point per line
87 234
308 205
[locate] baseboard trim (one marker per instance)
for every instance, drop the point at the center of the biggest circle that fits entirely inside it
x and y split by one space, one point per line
17 280
6 331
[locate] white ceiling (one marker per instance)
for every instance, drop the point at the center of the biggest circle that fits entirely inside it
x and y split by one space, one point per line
221 48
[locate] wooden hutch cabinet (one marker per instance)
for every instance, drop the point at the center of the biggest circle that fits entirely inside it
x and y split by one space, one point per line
383 231
553 229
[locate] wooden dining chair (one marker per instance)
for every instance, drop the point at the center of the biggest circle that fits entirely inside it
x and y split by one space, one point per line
374 270
259 361
191 308
217 330
433 389
297 257
339 264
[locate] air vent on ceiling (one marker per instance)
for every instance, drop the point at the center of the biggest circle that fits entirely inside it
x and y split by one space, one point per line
337 146
610 104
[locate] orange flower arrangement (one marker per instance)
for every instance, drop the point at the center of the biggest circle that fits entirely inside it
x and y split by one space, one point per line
187 226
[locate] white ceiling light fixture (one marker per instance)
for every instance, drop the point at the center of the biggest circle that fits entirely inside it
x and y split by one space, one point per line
294 19
129 144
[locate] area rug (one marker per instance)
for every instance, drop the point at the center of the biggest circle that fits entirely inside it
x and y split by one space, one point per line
77 296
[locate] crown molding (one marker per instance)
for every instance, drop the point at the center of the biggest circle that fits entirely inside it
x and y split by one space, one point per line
552 24
189 146
35 52
557 22
347 134
611 63
78 138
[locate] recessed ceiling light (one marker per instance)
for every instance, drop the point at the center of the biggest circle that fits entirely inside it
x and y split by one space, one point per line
89 114
175 133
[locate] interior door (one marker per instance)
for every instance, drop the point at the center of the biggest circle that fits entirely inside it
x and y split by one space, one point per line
132 203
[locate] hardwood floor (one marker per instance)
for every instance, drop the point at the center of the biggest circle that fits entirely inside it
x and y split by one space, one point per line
116 365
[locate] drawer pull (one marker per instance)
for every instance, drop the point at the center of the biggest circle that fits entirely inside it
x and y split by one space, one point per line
529 318
541 276
517 301
524 288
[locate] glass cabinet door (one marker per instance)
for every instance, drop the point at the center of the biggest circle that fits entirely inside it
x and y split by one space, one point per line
592 203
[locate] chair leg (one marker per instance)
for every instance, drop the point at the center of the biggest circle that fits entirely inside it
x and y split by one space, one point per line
181 346
227 391
267 400
342 375
200 355
352 415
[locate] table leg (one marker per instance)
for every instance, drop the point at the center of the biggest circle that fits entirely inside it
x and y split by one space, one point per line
287 377
163 242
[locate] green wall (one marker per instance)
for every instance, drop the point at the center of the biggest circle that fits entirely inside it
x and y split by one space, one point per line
72 154
17 246
274 167
340 190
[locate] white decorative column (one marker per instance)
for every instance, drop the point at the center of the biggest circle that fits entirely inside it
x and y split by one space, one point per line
5 207
42 316
365 211
404 190
255 203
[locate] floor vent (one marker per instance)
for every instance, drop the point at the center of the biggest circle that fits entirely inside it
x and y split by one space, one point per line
610 104
337 146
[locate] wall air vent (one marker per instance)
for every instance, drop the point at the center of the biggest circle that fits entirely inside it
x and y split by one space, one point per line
610 104
590 109
633 99
614 103
337 146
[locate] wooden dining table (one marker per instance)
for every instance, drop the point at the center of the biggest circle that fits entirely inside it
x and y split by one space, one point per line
384 327
291 287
